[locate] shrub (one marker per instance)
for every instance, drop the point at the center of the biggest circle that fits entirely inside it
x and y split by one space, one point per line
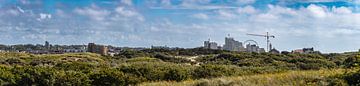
6 77
72 78
353 78
14 61
211 71
75 66
156 71
353 61
108 77
177 74
34 76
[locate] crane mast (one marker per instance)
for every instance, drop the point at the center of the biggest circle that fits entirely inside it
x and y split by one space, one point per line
267 36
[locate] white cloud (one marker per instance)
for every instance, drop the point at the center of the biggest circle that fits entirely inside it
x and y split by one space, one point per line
129 13
342 10
13 12
127 2
306 1
123 11
43 16
166 2
317 11
225 14
245 1
93 13
191 4
200 16
278 10
356 1
247 10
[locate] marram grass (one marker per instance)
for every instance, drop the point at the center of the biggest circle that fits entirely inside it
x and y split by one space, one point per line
291 78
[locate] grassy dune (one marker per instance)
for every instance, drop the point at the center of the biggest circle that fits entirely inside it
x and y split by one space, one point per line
291 78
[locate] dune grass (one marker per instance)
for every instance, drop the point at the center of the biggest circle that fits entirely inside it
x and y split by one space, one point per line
291 78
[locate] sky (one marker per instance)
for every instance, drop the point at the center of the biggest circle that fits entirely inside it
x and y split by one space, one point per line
326 25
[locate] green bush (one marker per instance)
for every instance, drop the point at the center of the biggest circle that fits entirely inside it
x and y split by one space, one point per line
76 66
6 77
353 78
211 71
177 74
71 78
108 77
26 76
156 71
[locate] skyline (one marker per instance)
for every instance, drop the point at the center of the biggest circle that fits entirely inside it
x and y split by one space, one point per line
326 25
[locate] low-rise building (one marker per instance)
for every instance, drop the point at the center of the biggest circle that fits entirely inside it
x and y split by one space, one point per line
99 49
160 47
305 51
274 51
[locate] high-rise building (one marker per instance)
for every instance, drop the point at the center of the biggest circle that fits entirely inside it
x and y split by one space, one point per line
251 48
254 48
210 45
47 45
99 49
233 45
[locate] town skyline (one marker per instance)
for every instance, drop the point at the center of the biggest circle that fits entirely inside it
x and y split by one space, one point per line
327 25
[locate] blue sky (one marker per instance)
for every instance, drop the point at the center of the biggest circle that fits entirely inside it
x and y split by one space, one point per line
326 25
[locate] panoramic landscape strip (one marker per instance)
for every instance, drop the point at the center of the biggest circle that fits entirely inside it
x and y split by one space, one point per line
179 42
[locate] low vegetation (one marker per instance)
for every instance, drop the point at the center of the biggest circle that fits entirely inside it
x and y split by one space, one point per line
290 78
179 67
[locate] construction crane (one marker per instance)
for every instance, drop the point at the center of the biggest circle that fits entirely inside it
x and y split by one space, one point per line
267 36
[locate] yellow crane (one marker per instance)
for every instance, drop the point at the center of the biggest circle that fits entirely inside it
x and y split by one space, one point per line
267 36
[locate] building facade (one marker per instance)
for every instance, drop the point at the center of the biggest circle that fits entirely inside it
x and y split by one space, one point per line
233 45
99 49
254 48
210 45
47 45
305 51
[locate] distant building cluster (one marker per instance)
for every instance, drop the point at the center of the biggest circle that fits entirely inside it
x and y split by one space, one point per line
305 51
232 45
254 48
211 45
160 47
47 48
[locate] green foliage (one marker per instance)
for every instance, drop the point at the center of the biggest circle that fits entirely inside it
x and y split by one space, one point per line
211 71
168 58
108 77
353 61
6 77
14 61
131 67
143 59
157 71
75 66
26 76
352 78
71 78
290 61
132 54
